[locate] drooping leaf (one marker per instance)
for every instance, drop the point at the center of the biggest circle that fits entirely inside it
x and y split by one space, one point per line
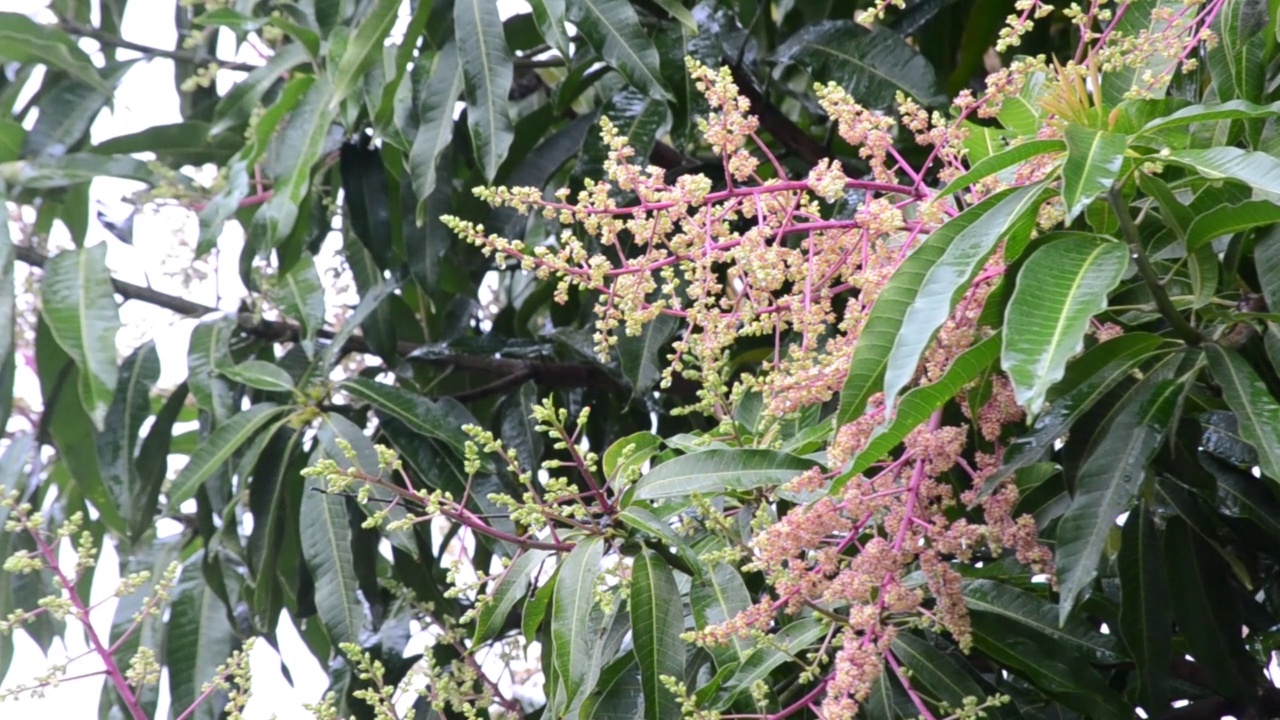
871 65
1242 495
510 587
487 73
549 16
1248 396
716 597
26 41
237 105
641 356
644 521
130 406
1109 479
1237 62
790 641
1006 603
571 637
260 374
78 303
199 639
1093 163
8 316
1256 169
1230 219
299 147
363 47
1003 160
720 470
219 448
919 297
326 546
437 419
436 92
1146 621
1060 288
657 619
1207 611
614 32
1210 112
299 292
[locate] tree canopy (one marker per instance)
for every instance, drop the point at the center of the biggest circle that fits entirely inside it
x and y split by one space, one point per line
655 359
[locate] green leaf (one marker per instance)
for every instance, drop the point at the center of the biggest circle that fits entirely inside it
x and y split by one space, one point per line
260 374
1230 219
78 302
642 120
436 419
12 138
436 92
548 15
1002 160
920 296
641 356
298 292
1085 382
363 48
871 65
716 597
182 143
49 173
657 619
199 639
786 646
238 104
1250 399
720 470
219 448
571 638
619 694
510 587
208 351
486 72
129 408
24 40
1256 169
299 147
1109 479
1233 110
1146 620
1207 610
612 29
638 518
941 675
1060 288
8 316
918 404
326 546
1242 495
680 13
67 108
1093 163
1005 603
1237 62
535 608
1141 16
1056 671
629 452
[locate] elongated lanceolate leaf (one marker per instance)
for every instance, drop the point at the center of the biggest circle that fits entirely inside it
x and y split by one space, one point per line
1093 163
26 41
1233 110
238 104
486 71
430 418
363 48
571 637
901 322
940 278
1109 479
613 30
1085 382
716 597
326 546
219 448
1256 169
793 639
511 587
1230 219
260 374
78 302
436 93
657 619
1146 621
1010 604
549 15
301 144
872 65
638 518
199 639
920 402
1002 160
720 470
1150 75
1061 286
1248 397
8 315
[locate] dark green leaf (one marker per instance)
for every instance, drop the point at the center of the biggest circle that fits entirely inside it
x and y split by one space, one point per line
299 147
1233 110
1003 160
199 639
78 303
260 374
613 31
26 41
363 48
720 470
219 448
1006 603
486 72
572 643
437 419
510 587
1146 622
716 597
1256 169
436 92
326 545
871 65
1248 396
1230 219
657 619
787 645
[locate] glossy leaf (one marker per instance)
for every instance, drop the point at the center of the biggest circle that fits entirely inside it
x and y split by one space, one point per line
199 640
1230 219
1141 16
791 641
629 453
130 406
435 93
1248 396
614 32
657 621
363 48
25 40
640 519
300 146
716 597
1145 618
486 72
1093 163
1232 110
571 640
1003 160
720 470
1060 288
78 303
299 293
1237 62
509 588
219 448
1005 603
1108 481
1256 169
871 65
435 419
326 546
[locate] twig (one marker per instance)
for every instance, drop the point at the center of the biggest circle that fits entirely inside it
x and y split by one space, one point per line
76 28
1179 324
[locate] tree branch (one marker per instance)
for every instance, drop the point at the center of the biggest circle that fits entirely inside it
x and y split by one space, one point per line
1179 324
511 372
76 28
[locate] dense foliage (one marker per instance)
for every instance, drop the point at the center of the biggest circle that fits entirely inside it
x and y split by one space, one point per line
731 360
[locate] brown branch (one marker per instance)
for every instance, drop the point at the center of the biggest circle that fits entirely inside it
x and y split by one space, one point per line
76 28
511 372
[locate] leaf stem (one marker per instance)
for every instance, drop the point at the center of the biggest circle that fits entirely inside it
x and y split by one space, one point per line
1179 324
